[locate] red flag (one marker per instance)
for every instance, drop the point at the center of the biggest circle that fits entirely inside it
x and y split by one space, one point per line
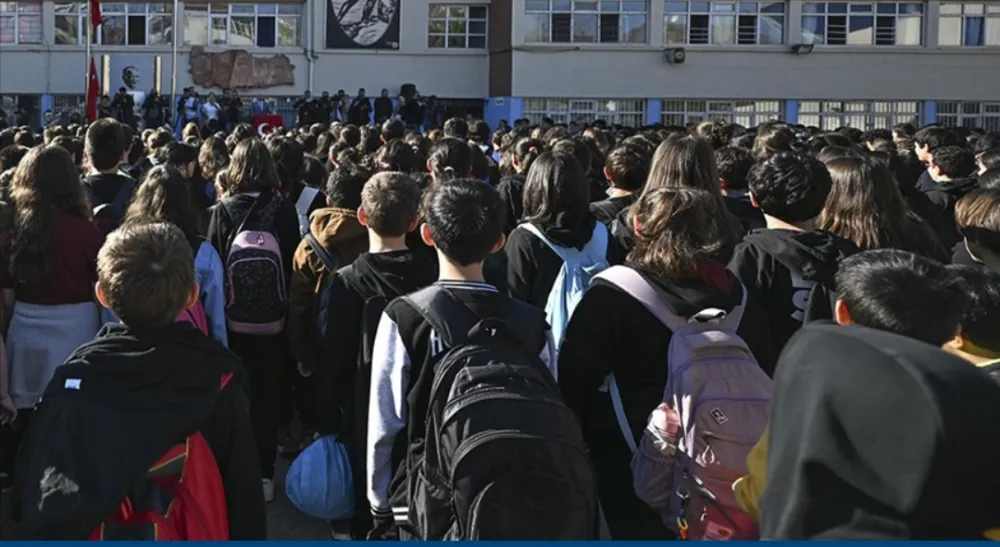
95 12
265 123
93 92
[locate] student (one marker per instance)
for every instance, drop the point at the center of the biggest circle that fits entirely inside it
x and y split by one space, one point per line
734 165
925 142
254 203
889 290
341 238
395 155
677 240
977 219
213 158
772 138
977 341
463 221
581 151
781 264
164 195
951 168
523 153
626 169
124 399
866 207
288 161
988 160
108 189
449 158
351 304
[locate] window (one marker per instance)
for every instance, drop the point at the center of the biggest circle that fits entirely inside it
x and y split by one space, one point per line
748 113
121 24
20 23
627 112
984 115
969 25
458 27
243 25
586 21
724 23
863 24
830 115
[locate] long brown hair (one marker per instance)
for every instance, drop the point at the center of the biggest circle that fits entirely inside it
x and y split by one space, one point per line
46 181
250 169
164 195
865 206
676 230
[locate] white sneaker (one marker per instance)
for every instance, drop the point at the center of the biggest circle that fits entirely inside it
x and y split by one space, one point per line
268 485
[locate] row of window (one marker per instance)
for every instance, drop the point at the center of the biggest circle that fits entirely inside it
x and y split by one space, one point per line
827 115
739 22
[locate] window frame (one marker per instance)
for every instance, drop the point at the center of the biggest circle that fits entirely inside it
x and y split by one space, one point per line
850 10
956 113
878 114
16 16
126 13
446 19
740 9
990 13
623 14
227 13
566 110
689 111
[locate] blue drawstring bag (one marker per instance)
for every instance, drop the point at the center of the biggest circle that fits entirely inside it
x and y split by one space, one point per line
319 482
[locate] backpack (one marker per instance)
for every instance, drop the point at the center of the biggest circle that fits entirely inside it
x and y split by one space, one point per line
503 457
108 216
181 498
579 266
722 399
331 261
302 205
196 314
256 296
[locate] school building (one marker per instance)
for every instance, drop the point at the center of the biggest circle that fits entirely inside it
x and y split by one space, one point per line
861 63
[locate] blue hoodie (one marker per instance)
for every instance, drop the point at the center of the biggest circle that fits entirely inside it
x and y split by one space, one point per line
209 272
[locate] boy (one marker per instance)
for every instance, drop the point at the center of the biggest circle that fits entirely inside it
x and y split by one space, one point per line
951 168
110 191
122 401
463 221
979 339
977 217
925 142
782 264
626 169
350 306
734 166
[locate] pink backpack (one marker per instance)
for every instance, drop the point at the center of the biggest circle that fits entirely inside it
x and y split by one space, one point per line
256 300
196 316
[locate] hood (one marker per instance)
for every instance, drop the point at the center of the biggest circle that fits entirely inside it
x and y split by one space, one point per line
959 187
815 253
397 272
570 229
108 414
334 227
890 431
105 187
716 288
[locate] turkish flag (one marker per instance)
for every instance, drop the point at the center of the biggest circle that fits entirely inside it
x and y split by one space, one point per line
266 123
95 12
93 92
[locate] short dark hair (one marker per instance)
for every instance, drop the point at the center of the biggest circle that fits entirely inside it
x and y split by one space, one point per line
393 129
954 161
989 141
734 165
990 159
456 127
628 166
901 292
146 272
982 311
935 136
105 144
555 184
990 180
904 129
344 185
465 217
790 186
479 131
576 148
391 201
977 217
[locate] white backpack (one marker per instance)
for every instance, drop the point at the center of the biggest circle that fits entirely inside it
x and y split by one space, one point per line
722 398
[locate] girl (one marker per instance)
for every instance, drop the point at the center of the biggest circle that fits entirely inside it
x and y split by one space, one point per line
164 195
677 239
771 139
450 158
523 153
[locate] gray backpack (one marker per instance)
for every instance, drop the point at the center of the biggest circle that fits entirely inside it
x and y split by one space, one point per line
722 398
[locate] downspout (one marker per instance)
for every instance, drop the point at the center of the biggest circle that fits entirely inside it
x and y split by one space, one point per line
310 57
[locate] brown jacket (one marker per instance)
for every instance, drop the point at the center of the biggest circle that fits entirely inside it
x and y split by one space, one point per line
340 233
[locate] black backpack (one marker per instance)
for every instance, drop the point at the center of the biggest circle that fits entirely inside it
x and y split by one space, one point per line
503 456
108 216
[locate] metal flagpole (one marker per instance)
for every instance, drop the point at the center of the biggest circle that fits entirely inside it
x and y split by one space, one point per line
90 60
173 62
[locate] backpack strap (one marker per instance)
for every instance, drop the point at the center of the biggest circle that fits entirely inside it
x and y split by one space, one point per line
226 378
261 200
306 198
330 260
558 249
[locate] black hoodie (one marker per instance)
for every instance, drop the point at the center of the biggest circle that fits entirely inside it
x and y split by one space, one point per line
104 188
512 192
612 332
880 437
750 217
607 209
116 406
762 262
944 195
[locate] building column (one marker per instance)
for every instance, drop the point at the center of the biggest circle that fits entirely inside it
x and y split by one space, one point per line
46 102
502 108
792 111
654 111
930 112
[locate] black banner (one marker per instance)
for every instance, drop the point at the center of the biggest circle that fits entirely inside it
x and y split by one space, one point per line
362 24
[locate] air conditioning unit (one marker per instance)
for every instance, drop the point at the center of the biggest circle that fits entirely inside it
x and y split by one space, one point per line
675 56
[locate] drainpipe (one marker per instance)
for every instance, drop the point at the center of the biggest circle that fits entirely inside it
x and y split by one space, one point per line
310 57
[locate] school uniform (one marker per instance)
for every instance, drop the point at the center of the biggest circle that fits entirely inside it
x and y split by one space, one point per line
759 261
750 217
405 353
104 188
511 190
263 356
598 189
944 196
611 332
606 210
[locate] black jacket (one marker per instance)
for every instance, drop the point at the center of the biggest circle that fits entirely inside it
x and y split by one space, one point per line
759 262
383 109
606 210
512 192
612 332
749 216
874 436
103 189
116 406
944 196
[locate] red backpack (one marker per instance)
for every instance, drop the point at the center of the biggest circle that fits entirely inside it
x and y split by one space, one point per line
180 498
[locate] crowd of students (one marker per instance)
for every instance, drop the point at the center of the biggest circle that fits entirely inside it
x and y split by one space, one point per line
337 276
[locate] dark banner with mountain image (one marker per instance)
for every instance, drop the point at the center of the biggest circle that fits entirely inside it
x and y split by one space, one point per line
362 24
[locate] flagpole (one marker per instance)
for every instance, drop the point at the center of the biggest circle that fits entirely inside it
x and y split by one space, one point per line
173 62
90 60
